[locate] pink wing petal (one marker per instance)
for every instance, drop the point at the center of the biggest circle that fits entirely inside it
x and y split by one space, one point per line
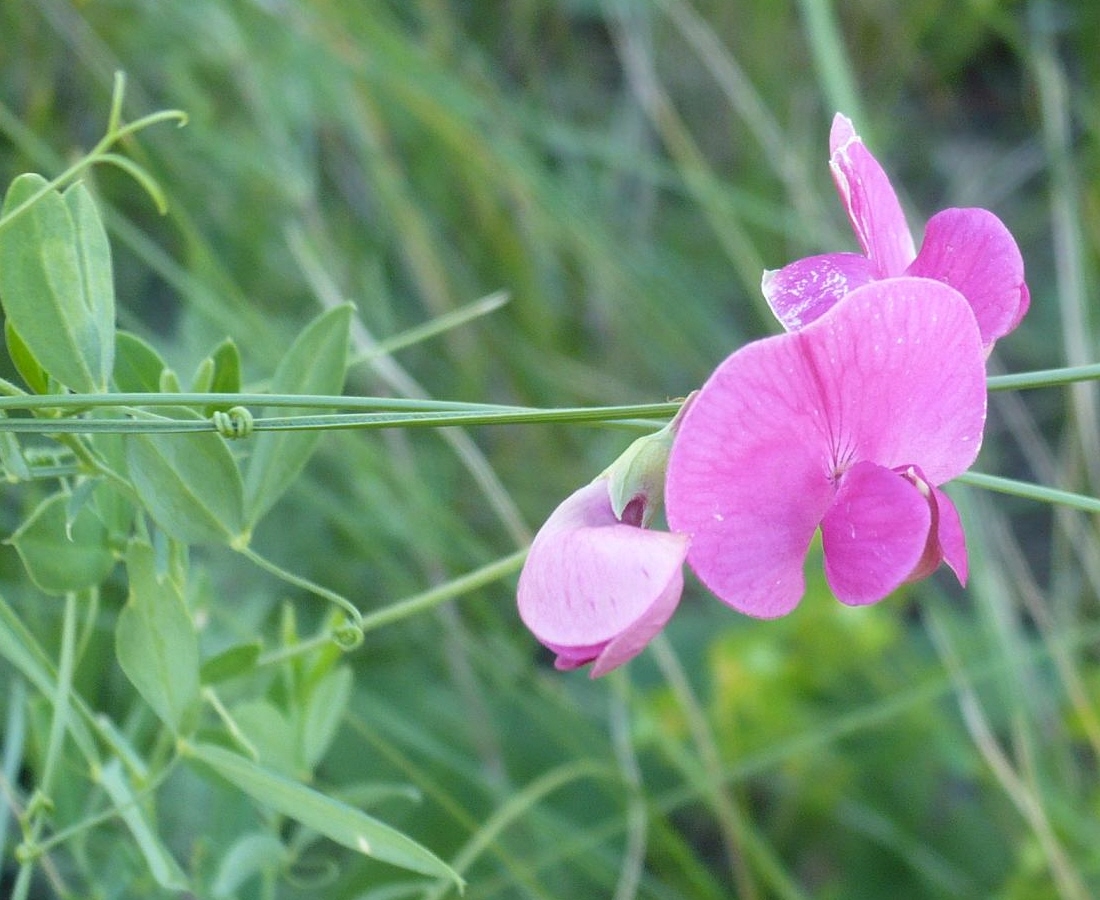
590 579
874 533
972 250
902 375
635 638
870 201
804 290
746 478
950 535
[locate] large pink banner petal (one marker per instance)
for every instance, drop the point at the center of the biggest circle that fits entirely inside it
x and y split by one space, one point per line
747 477
901 371
894 375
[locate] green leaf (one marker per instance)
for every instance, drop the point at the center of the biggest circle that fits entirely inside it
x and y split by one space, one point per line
324 710
137 365
14 464
227 373
25 364
314 364
21 648
268 729
240 659
336 820
61 553
155 640
162 865
247 857
94 255
190 485
53 260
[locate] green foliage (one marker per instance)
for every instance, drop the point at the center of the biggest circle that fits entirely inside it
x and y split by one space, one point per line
177 719
314 364
55 282
191 486
338 821
155 640
62 549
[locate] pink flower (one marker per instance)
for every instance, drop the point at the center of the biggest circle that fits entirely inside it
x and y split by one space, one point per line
597 588
848 425
969 249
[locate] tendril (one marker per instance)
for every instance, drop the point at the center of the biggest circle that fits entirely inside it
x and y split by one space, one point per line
234 424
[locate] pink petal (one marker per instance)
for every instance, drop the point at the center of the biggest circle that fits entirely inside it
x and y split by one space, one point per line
870 201
746 478
902 375
894 375
874 533
590 580
635 638
973 251
804 290
949 533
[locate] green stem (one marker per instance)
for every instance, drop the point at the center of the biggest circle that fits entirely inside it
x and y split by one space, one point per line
444 592
338 421
302 648
115 133
1021 381
356 618
59 725
1030 491
81 402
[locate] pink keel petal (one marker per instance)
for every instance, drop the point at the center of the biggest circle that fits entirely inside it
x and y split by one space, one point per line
806 289
870 201
590 580
972 250
874 534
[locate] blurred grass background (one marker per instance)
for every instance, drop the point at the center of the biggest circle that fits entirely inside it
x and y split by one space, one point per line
624 170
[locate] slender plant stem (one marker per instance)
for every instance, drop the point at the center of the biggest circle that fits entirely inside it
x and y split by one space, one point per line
305 584
1030 491
418 603
58 727
342 421
1043 378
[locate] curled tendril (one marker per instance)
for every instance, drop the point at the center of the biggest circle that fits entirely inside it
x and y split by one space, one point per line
347 635
234 424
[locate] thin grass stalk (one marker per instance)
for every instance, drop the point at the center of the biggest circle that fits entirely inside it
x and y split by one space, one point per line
731 819
1023 795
